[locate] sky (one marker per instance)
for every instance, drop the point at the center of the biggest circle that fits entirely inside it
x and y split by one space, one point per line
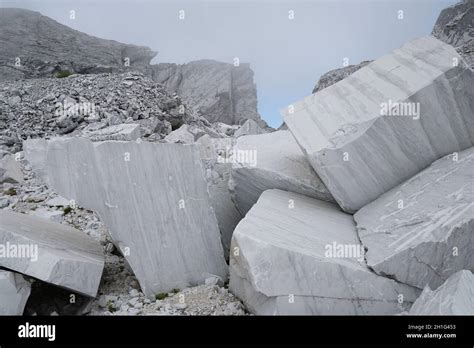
289 44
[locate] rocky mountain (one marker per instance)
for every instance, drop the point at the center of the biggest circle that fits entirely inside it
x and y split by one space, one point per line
336 75
218 91
34 45
455 26
46 107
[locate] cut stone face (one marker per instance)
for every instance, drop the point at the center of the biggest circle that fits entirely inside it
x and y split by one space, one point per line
420 232
292 254
387 121
153 198
14 292
52 252
272 161
454 297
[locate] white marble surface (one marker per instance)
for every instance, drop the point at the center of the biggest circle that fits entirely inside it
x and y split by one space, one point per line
454 297
282 254
153 198
14 292
64 256
359 153
272 161
421 231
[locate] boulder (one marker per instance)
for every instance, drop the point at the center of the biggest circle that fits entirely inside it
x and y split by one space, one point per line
154 200
52 252
250 127
387 121
181 135
14 292
271 161
420 232
292 254
454 297
10 170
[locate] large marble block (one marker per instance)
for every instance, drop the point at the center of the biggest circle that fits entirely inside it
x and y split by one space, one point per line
153 198
49 251
271 161
292 254
421 232
387 121
454 297
14 292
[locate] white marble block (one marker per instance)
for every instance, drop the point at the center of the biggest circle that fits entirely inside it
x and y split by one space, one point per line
271 161
454 297
14 292
421 232
387 121
49 251
153 198
292 254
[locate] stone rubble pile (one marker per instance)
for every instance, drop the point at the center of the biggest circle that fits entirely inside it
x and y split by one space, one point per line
362 204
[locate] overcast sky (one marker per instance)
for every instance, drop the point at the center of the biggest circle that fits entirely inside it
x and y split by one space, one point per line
287 55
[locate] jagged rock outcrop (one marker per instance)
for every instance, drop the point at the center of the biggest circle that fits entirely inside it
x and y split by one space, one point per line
387 121
421 232
34 45
455 27
250 127
454 297
271 161
52 252
336 75
82 104
153 198
14 292
221 92
286 259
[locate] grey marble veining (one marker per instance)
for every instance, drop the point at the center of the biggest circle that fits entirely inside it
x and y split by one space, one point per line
282 262
387 121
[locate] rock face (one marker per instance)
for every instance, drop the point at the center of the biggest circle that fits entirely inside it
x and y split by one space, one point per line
285 259
34 45
52 252
420 232
250 127
455 27
123 132
45 107
387 121
454 297
155 201
271 161
10 170
14 292
218 91
336 75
